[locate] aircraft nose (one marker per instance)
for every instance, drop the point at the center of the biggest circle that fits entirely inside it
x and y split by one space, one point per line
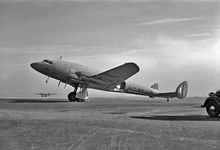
34 65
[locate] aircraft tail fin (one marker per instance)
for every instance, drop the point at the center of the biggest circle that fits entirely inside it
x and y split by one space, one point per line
181 92
155 86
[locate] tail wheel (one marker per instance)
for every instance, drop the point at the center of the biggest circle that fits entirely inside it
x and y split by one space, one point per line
72 96
212 109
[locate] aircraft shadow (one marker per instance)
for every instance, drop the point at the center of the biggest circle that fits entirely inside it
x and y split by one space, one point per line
178 118
36 101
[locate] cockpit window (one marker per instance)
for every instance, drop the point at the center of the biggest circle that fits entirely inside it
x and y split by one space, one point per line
47 61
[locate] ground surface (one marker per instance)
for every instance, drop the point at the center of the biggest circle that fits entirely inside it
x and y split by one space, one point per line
111 124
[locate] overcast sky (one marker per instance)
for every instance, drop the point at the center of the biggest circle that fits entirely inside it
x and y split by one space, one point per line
171 41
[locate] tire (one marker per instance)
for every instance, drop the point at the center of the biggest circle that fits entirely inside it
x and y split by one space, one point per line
212 109
72 96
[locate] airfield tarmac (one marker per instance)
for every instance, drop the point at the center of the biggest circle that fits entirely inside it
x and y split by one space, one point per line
106 123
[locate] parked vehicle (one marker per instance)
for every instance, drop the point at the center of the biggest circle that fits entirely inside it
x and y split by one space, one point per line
212 104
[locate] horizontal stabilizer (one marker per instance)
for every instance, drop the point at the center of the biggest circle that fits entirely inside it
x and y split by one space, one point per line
181 92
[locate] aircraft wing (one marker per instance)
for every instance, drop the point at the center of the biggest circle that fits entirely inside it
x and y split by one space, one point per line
109 79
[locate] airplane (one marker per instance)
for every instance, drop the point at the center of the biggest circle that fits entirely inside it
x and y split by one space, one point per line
114 80
45 94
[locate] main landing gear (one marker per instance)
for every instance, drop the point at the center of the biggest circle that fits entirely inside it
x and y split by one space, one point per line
81 96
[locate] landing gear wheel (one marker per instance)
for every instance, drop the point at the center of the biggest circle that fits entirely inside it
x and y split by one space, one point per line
212 109
72 96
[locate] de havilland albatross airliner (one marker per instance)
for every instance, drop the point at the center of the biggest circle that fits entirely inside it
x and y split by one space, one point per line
113 80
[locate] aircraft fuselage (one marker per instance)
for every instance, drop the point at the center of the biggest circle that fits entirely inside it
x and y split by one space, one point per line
113 80
66 72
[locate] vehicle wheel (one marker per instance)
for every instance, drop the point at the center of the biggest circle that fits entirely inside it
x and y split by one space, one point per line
72 96
212 109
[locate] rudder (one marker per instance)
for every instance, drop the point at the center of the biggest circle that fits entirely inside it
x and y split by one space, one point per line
182 89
